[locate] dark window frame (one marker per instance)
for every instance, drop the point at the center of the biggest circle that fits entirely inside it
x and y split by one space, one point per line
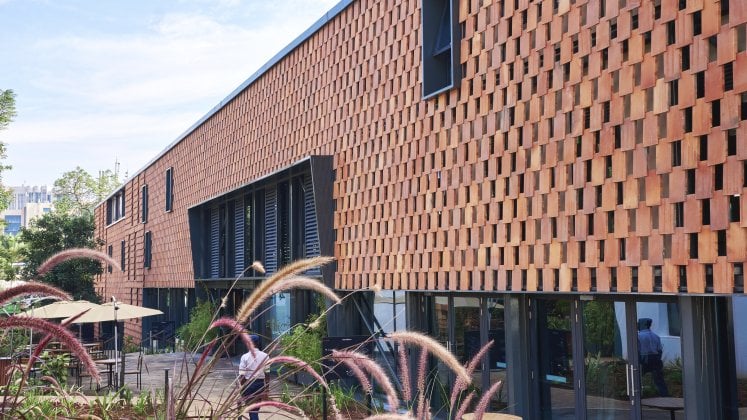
144 204
148 250
440 46
169 189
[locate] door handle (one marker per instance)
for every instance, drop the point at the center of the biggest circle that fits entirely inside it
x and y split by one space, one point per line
627 379
632 380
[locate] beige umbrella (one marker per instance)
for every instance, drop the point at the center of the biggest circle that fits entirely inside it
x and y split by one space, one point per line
106 312
116 311
60 309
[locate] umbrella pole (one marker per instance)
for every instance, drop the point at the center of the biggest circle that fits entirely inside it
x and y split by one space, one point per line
116 335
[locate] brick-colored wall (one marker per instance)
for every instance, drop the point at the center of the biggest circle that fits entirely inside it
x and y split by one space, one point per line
458 191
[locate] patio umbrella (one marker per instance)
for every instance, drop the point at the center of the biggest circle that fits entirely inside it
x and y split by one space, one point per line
60 309
107 312
116 311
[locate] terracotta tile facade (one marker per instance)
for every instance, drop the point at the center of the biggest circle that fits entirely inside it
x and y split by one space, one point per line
590 146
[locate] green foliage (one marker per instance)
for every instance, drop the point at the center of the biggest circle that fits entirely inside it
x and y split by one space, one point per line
78 191
7 113
11 249
195 332
600 327
143 405
131 344
12 340
304 341
55 365
55 232
7 107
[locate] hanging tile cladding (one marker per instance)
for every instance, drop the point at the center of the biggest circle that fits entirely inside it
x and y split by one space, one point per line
555 150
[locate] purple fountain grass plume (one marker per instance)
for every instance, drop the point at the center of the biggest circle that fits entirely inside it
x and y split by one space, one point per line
33 288
261 294
305 283
485 400
404 372
290 360
460 385
433 347
276 404
236 327
250 304
464 406
353 357
299 266
74 253
422 369
310 370
60 333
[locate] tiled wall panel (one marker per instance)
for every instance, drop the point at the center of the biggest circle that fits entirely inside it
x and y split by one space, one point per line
590 146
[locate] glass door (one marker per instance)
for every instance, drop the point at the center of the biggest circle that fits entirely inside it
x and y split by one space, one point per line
658 365
632 359
607 360
555 358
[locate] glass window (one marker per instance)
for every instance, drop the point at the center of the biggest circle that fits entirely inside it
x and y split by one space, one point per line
440 51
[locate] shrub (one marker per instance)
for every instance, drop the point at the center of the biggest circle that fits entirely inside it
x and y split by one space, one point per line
197 331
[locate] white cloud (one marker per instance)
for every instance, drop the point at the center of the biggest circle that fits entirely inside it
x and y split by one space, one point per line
128 95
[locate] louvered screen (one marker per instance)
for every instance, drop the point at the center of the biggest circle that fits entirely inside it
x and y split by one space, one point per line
271 231
239 235
311 232
214 242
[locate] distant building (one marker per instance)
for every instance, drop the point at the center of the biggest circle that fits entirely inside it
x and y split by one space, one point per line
28 203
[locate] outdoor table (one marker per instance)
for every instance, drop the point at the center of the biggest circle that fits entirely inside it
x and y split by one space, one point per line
671 404
110 371
492 416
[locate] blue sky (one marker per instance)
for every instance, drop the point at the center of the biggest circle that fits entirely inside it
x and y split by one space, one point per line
105 81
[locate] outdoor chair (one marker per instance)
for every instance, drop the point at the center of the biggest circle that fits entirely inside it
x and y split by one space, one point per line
137 371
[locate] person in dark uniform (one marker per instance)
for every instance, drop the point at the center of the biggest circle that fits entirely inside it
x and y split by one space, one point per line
649 354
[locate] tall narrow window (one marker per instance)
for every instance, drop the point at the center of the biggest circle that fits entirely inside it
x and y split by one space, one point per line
122 256
147 256
440 46
110 252
144 202
169 189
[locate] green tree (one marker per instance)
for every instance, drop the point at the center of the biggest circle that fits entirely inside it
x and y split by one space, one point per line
78 192
11 249
55 232
7 113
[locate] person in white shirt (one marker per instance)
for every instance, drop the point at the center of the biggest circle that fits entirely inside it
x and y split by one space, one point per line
252 374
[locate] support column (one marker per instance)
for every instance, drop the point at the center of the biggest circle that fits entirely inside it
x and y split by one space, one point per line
517 354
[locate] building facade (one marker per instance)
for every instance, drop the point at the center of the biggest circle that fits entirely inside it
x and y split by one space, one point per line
562 177
27 203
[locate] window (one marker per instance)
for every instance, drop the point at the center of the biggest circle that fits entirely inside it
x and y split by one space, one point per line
144 201
122 256
110 253
115 207
679 214
147 250
738 278
440 46
169 189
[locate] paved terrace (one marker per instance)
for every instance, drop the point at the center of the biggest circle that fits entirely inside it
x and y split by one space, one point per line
218 385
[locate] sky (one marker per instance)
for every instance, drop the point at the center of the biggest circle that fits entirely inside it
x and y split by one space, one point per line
108 84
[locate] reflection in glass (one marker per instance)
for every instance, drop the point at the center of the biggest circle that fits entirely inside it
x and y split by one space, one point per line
659 367
740 344
440 383
497 355
557 394
467 335
605 360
